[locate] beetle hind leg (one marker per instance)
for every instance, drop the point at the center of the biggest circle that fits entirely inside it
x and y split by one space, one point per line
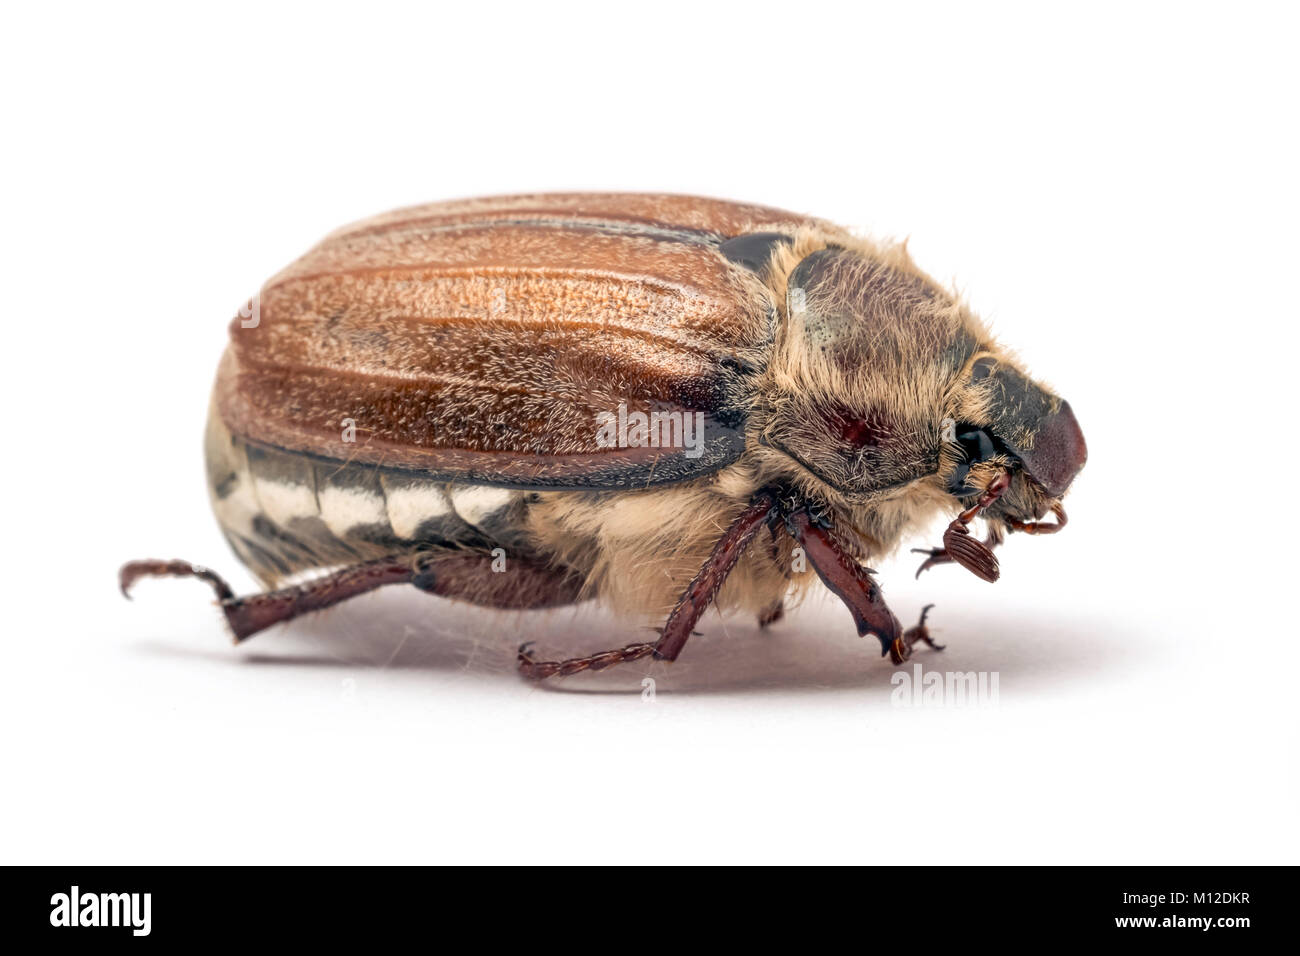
255 612
534 669
467 576
132 571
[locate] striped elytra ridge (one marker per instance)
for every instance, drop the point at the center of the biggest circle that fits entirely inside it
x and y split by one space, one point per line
285 513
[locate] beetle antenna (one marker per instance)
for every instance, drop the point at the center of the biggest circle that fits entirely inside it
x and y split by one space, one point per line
973 555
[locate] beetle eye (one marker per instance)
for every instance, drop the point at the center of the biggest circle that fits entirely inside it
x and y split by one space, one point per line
977 445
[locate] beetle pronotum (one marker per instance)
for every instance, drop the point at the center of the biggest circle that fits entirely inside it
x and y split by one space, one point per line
663 402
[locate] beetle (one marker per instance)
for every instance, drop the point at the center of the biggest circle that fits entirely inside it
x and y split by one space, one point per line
663 402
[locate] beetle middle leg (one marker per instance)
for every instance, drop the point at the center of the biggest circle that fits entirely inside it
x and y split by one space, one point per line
690 607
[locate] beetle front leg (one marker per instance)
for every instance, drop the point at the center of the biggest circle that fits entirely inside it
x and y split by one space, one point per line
919 632
851 583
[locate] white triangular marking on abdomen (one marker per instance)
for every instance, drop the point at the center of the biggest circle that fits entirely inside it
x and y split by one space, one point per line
409 506
283 501
474 504
345 508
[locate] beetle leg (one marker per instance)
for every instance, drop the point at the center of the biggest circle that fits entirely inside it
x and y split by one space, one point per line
919 632
529 583
852 584
132 571
255 612
466 577
540 670
709 580
681 622
933 558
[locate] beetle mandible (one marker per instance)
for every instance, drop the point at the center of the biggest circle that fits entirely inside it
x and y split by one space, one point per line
662 402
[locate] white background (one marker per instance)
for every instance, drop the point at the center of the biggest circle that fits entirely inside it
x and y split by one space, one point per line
1115 191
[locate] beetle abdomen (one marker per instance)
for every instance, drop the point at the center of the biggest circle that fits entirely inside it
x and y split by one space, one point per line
286 512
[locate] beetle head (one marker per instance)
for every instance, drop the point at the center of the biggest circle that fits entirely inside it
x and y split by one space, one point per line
1003 421
884 380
